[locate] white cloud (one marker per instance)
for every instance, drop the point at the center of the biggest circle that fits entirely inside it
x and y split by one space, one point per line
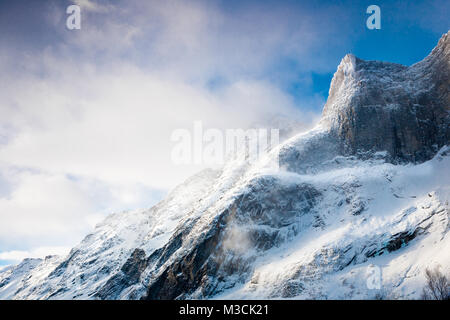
117 126
85 124
91 5
48 209
41 252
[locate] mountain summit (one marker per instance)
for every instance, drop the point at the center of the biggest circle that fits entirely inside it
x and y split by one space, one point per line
358 210
380 106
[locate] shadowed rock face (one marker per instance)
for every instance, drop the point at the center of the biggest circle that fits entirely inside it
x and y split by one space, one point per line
379 106
259 219
129 274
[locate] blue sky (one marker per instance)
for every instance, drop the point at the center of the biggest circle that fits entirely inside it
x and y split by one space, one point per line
86 115
410 29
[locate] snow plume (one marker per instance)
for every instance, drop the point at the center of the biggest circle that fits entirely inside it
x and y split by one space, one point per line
237 239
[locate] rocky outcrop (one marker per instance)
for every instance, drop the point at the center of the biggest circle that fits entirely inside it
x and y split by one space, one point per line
379 106
129 274
257 219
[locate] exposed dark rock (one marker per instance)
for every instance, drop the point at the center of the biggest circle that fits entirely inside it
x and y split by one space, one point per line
378 106
291 289
128 275
395 242
62 267
205 268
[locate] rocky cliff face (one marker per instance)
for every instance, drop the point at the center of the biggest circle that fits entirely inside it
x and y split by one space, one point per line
339 206
380 106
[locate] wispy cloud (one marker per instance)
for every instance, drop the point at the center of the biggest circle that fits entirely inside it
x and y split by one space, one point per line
41 252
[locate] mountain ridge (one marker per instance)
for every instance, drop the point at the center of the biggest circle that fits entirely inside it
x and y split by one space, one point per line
352 193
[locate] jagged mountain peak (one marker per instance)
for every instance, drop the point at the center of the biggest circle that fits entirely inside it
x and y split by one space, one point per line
310 230
380 106
351 64
348 64
443 45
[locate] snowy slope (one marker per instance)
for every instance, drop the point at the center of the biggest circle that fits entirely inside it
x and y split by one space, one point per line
102 253
394 217
363 206
315 229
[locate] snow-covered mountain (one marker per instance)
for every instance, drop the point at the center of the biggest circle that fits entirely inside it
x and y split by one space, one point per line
364 194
